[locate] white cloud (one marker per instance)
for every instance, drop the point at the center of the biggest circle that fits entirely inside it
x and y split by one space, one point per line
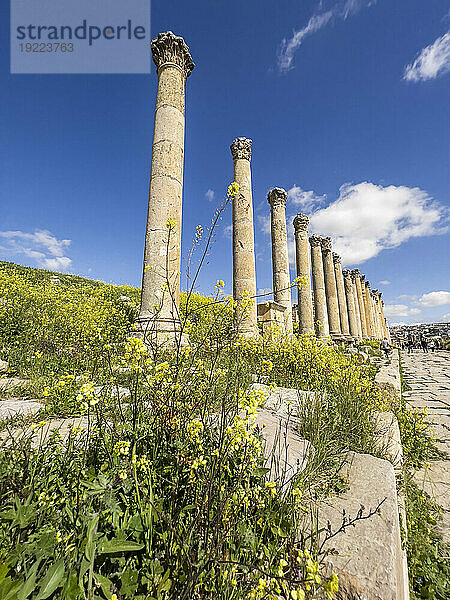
341 10
434 299
264 292
303 199
400 310
264 222
228 231
446 318
407 297
385 282
369 218
41 246
400 324
210 194
433 61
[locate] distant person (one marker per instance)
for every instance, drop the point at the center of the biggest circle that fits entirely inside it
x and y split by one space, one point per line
432 345
423 343
385 346
410 344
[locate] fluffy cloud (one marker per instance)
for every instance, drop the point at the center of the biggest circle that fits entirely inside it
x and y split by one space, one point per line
41 246
228 231
446 318
304 200
368 218
341 10
400 310
209 195
434 299
433 61
385 282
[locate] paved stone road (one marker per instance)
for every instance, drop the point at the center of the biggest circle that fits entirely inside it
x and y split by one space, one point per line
428 375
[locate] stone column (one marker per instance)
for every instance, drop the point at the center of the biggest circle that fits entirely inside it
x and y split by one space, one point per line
366 306
159 312
362 312
330 288
377 298
320 301
369 309
356 302
352 318
280 261
376 320
244 270
305 306
342 300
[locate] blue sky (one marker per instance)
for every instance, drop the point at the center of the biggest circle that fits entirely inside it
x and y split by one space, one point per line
347 106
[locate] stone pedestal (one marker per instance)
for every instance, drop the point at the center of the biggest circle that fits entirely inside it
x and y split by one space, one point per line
305 304
330 289
342 299
244 270
349 295
272 317
320 301
280 261
362 313
159 311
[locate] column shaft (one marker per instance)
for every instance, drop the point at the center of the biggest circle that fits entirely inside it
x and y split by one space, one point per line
320 302
342 300
244 269
330 288
305 305
162 254
362 313
352 318
280 261
356 302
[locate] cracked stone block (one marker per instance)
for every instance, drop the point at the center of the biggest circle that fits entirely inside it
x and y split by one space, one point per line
13 407
369 560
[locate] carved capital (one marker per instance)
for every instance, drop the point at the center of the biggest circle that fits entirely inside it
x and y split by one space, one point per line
301 222
336 258
367 284
277 197
363 279
241 148
168 48
315 240
326 244
355 273
347 273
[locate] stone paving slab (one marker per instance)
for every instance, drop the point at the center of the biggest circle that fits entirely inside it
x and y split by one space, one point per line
428 375
17 406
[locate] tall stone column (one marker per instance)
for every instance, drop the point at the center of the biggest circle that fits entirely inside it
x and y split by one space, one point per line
280 261
366 306
305 306
369 309
377 296
356 302
159 312
244 270
376 319
349 294
342 300
330 288
320 301
362 312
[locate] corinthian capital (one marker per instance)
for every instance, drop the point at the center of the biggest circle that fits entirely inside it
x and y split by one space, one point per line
355 273
346 273
301 222
168 48
241 148
336 258
326 244
277 197
367 282
315 240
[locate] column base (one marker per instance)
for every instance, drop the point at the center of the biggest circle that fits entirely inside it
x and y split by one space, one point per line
160 332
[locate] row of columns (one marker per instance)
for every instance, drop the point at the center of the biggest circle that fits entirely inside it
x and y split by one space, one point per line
339 303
